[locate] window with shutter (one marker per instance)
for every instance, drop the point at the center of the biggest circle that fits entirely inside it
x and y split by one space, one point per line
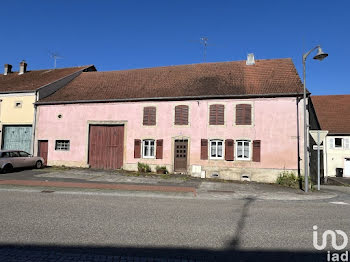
256 150
181 115
149 116
204 149
217 114
148 148
243 114
243 149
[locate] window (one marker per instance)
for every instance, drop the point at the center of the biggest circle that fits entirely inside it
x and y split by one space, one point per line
23 154
14 154
181 115
62 145
148 148
18 104
243 149
338 142
149 116
216 149
217 114
243 114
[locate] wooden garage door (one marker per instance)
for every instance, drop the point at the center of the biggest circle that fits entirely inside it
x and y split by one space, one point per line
17 138
106 144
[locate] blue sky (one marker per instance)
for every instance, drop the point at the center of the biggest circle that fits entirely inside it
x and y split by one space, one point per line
115 35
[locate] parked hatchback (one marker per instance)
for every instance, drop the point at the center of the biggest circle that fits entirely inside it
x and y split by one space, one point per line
10 159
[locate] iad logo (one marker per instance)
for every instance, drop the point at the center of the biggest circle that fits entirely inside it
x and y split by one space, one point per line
333 239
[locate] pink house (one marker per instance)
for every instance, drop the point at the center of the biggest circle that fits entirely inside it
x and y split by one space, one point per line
234 120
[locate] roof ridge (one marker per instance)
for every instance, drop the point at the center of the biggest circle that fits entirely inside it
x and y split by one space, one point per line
194 64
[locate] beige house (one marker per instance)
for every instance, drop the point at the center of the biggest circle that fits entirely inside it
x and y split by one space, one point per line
18 93
333 115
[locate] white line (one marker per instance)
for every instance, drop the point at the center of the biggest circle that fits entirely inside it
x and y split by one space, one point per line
339 203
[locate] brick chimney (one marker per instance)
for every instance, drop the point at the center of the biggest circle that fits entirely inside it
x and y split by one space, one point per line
7 69
22 67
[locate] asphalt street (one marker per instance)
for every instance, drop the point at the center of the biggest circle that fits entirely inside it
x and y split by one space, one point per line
127 226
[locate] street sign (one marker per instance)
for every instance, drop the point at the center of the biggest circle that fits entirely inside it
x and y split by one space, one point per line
315 147
323 134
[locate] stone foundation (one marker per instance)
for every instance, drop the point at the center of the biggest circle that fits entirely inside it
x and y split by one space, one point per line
265 175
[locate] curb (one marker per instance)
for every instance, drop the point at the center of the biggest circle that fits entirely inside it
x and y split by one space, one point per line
126 187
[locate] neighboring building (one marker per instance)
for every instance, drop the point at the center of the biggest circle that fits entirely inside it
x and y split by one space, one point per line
333 115
18 93
236 120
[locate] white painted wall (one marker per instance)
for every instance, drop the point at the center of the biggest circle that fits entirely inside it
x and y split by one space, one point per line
336 157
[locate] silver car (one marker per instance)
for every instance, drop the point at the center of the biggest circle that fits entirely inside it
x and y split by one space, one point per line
10 159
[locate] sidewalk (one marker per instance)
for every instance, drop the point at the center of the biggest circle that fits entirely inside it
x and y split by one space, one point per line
116 182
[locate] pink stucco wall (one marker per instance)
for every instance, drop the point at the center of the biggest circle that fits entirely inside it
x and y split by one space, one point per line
274 123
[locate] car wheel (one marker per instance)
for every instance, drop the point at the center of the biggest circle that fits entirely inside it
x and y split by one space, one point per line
7 169
38 164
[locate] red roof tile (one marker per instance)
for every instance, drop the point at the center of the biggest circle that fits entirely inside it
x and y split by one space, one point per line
32 80
276 76
333 113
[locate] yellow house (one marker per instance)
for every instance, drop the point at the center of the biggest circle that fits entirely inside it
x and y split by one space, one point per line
18 93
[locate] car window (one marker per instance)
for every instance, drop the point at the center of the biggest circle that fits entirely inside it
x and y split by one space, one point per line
14 154
23 154
5 154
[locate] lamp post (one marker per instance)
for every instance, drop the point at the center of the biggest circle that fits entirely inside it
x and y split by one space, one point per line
320 56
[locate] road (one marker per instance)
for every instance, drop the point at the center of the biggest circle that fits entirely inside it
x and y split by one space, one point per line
51 225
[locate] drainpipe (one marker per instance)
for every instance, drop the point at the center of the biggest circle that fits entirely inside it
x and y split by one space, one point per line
298 141
34 122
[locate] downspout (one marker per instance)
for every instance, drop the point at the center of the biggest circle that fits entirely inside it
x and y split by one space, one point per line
34 122
298 142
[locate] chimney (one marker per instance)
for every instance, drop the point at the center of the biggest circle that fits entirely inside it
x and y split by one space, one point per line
250 59
7 69
22 67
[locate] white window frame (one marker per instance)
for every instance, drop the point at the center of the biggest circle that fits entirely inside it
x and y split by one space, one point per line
249 149
62 145
146 141
216 141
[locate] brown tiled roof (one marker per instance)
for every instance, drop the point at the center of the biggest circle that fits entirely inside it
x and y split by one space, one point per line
32 80
333 113
276 76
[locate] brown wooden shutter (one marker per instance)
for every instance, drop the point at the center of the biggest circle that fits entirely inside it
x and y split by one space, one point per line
181 115
247 114
149 116
229 147
137 148
159 149
204 149
239 114
256 150
243 114
217 114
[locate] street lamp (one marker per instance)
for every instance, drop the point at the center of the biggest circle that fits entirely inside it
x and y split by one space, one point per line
320 56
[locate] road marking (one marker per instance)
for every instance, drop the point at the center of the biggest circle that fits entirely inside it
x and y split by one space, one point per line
339 203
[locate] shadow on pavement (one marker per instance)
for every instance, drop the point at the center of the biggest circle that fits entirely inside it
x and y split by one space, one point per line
110 253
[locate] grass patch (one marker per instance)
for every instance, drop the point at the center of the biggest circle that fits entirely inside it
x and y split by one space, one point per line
59 168
289 179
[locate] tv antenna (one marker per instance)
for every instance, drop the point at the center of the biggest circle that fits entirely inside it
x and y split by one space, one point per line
203 41
55 56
